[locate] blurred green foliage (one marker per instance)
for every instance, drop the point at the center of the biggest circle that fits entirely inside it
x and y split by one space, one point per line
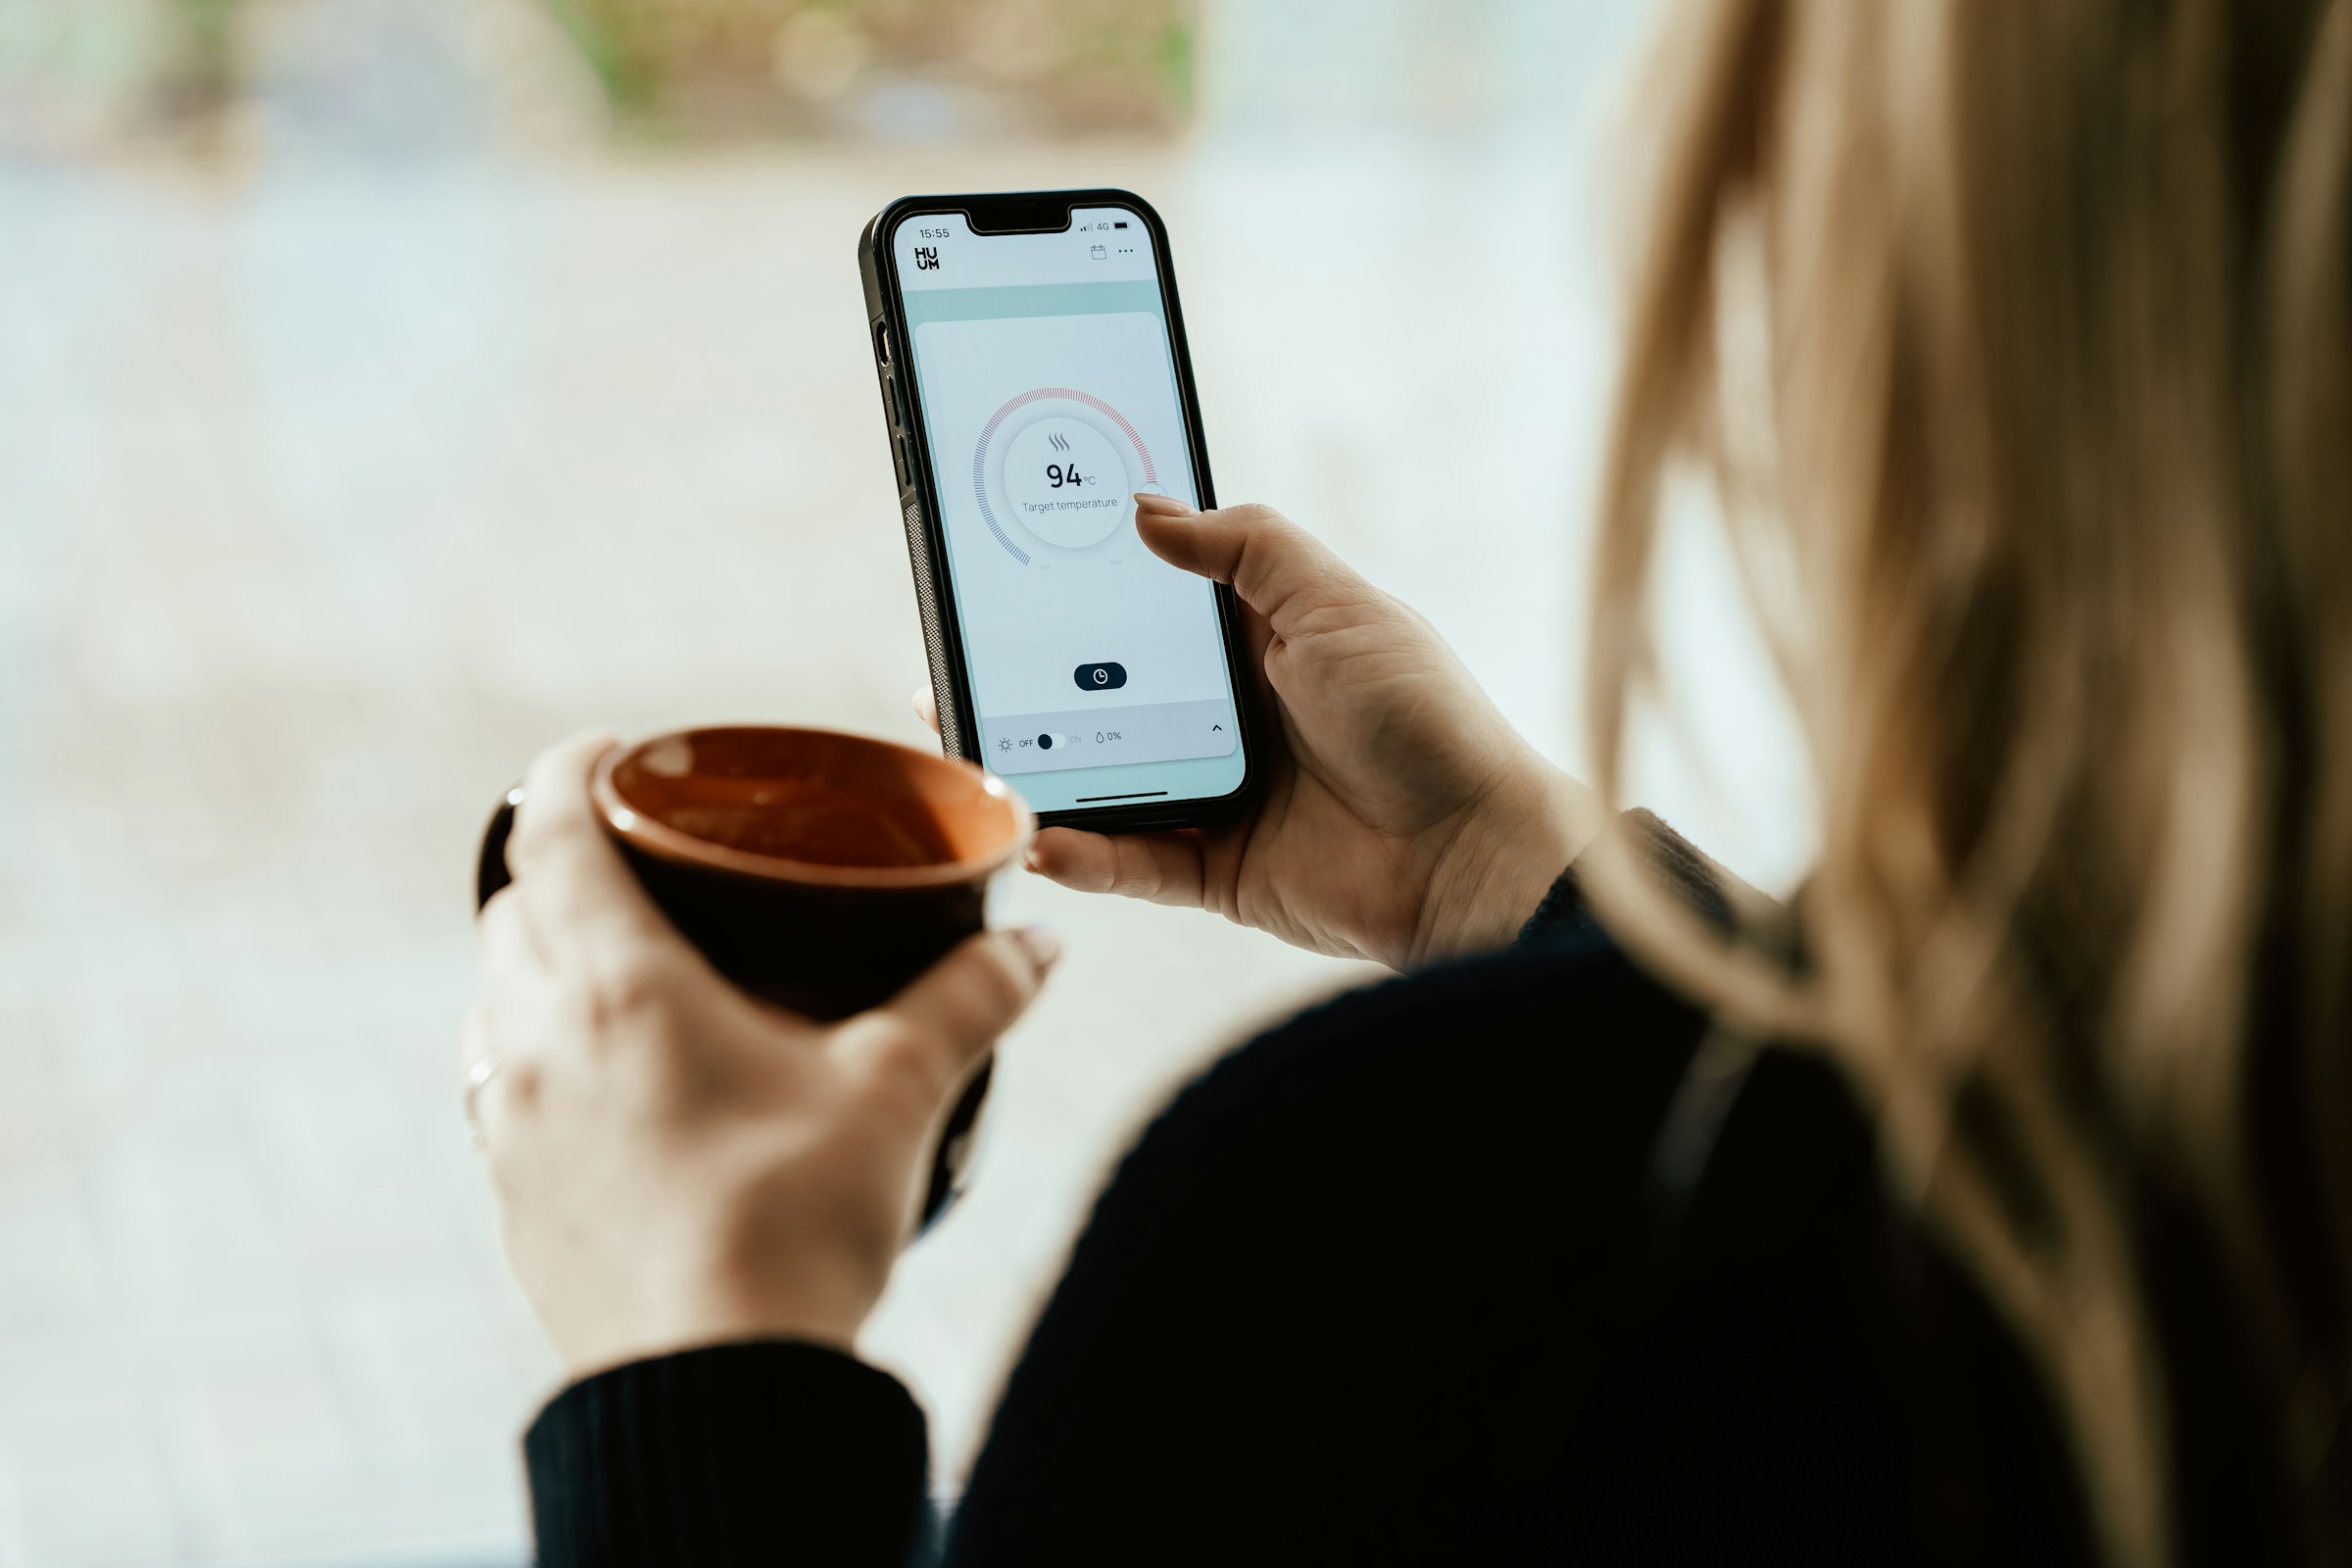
1068 66
200 74
716 69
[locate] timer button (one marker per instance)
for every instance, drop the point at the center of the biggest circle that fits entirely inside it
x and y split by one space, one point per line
1101 677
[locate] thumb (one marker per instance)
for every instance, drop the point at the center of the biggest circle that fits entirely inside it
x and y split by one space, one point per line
935 1031
1279 569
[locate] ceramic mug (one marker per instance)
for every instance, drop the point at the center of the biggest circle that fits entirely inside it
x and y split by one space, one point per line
818 870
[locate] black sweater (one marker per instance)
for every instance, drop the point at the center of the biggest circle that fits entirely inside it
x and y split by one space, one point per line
1511 1260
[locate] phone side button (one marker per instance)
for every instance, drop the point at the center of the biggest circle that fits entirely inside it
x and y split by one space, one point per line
898 455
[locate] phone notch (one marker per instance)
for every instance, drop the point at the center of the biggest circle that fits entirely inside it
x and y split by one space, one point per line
1020 215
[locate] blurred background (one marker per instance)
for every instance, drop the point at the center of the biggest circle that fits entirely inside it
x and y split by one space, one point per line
388 387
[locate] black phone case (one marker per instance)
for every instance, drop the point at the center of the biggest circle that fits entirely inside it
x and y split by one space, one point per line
919 499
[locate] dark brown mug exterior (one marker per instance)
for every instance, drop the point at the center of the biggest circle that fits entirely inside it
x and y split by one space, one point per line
825 938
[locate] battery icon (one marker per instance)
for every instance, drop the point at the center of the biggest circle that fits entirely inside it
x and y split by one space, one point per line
1121 224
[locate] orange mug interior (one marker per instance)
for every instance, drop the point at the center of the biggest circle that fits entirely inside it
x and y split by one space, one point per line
809 805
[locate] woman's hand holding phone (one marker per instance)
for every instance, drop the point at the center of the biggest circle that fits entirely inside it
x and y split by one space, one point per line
1403 819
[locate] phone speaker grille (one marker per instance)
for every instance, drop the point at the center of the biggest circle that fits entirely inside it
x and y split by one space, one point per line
934 641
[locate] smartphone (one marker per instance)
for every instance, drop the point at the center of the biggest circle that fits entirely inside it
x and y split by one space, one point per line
1034 378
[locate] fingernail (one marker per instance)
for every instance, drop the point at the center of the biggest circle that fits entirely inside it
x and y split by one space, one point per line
1043 943
1029 859
1155 502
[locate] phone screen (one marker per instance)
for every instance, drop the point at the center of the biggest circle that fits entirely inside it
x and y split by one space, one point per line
1044 380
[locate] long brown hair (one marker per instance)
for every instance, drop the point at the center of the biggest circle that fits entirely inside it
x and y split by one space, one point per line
2016 341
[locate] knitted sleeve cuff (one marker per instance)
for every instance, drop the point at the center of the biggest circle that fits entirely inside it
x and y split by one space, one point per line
1565 912
769 1452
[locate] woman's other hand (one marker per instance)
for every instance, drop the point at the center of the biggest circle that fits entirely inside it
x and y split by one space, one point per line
1402 819
677 1164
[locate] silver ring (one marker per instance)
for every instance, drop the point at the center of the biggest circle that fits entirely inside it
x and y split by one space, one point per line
484 1068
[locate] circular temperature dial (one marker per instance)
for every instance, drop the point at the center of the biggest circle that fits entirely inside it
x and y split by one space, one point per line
1057 469
1067 484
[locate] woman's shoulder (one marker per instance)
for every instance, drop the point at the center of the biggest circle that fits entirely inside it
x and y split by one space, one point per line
1563 1007
1467 1041
1334 1287
1443 1247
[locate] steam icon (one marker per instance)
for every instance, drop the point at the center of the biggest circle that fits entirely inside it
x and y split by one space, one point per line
1058 441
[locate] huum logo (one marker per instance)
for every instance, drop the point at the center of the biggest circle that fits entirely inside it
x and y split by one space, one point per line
926 258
